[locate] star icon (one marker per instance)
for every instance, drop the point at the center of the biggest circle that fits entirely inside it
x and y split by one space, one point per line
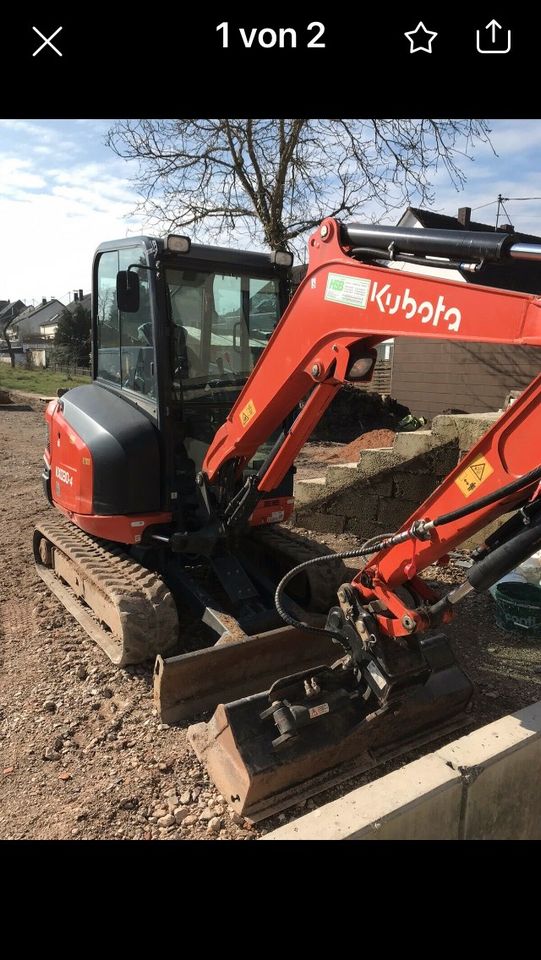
421 39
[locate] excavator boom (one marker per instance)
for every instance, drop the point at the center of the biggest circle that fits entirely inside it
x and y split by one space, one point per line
342 309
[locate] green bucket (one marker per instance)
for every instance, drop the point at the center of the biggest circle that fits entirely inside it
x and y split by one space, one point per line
518 607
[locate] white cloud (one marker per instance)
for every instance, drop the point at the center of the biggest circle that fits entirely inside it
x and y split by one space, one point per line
18 173
53 218
47 248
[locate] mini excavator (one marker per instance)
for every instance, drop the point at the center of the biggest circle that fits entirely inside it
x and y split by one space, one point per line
172 472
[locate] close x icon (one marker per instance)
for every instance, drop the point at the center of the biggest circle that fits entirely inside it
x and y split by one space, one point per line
47 43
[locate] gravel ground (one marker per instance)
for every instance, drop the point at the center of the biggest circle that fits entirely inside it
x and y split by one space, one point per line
83 754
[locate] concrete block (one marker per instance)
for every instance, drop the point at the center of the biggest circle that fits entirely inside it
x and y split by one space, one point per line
372 462
407 486
353 502
408 445
381 485
338 474
441 460
392 513
500 766
320 522
421 801
307 490
472 426
464 428
444 428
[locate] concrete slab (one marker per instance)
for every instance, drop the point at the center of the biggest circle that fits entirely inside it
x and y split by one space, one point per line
500 766
407 445
419 802
310 489
466 428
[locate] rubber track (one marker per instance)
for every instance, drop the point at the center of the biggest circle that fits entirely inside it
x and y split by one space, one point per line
324 579
144 605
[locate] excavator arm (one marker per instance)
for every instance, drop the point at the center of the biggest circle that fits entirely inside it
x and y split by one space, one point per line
347 304
343 308
391 683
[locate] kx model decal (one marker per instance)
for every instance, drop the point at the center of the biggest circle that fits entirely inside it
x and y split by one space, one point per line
64 476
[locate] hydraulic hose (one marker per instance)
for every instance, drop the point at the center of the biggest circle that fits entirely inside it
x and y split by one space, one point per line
369 547
388 540
493 497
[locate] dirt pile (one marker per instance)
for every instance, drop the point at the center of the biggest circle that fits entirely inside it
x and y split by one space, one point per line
354 412
368 441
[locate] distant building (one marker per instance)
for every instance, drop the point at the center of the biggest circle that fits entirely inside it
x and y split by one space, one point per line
10 311
80 299
27 324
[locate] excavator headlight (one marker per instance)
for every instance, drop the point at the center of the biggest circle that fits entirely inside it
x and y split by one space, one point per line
361 367
176 244
282 258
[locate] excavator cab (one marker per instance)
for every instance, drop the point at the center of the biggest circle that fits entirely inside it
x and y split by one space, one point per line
179 327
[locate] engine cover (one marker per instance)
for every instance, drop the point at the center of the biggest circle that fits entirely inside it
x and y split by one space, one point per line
104 454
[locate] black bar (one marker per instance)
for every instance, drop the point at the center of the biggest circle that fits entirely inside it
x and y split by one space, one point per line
505 558
462 244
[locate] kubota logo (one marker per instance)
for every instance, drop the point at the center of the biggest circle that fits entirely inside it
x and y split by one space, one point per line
428 312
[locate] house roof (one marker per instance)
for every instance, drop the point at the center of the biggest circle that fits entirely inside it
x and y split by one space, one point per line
33 311
85 302
11 310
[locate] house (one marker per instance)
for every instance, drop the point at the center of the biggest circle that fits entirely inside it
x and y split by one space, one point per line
9 311
80 299
432 376
49 327
27 325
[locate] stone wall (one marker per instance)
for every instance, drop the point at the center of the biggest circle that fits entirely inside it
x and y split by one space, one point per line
377 494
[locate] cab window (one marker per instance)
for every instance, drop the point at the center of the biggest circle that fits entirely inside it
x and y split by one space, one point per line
125 347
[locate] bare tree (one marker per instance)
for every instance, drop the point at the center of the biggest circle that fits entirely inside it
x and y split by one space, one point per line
279 178
5 325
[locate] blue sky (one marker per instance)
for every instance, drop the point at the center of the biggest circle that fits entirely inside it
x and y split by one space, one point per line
62 192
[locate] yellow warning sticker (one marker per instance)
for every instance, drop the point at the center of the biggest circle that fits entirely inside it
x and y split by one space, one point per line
248 412
473 476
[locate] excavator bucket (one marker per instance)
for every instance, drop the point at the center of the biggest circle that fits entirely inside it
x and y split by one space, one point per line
194 682
258 776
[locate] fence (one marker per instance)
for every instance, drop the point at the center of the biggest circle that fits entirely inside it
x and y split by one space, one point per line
70 368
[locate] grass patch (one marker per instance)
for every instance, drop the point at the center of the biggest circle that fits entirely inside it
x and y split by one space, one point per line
40 381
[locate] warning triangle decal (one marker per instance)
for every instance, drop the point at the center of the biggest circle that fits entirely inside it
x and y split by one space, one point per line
478 469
